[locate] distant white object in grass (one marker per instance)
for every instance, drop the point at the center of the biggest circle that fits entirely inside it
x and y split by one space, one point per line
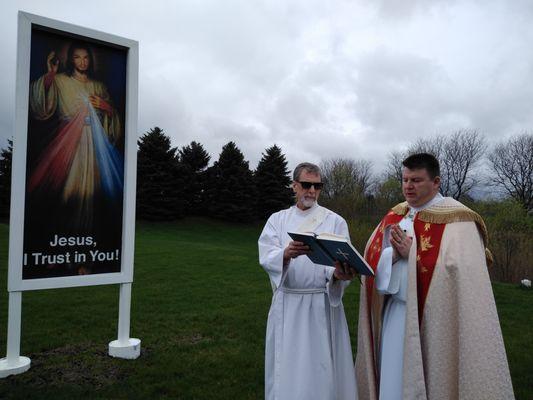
526 283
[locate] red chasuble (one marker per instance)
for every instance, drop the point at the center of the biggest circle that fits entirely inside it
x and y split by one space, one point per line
428 239
373 252
372 255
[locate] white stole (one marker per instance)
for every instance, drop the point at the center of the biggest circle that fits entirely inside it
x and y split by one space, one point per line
313 220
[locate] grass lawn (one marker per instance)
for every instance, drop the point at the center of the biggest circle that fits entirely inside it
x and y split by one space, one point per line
200 302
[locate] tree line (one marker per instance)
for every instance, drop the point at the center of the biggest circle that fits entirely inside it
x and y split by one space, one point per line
467 164
173 182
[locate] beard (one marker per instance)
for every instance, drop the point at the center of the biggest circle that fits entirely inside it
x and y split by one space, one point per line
307 202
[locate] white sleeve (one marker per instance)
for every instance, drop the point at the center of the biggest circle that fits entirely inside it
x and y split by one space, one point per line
387 277
335 288
271 253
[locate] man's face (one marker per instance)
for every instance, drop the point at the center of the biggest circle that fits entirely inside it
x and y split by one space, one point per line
306 198
80 59
417 187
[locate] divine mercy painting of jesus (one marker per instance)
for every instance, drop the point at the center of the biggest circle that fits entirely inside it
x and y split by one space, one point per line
75 156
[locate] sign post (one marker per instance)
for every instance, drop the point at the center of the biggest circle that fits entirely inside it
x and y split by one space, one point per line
14 364
124 346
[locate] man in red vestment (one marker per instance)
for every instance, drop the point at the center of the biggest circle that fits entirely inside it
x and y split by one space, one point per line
428 326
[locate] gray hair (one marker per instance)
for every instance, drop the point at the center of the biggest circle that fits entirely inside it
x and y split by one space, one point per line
310 168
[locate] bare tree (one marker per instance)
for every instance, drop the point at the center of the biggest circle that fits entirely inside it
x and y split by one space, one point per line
460 160
346 177
387 192
512 167
394 167
347 186
459 156
434 146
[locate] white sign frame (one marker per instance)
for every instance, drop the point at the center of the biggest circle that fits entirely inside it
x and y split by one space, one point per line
16 226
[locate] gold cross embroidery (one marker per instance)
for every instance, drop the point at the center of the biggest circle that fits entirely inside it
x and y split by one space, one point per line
427 226
418 257
425 243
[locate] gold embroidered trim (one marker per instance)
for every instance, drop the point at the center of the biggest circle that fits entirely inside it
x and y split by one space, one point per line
400 209
447 215
489 257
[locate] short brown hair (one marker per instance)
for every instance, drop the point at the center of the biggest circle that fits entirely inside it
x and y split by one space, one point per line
423 161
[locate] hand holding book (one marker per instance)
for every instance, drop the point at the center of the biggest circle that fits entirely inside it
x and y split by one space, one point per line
327 248
343 272
293 250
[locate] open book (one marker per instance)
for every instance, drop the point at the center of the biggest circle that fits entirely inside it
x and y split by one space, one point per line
327 248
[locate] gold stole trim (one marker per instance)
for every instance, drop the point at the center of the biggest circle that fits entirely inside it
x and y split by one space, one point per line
400 209
439 214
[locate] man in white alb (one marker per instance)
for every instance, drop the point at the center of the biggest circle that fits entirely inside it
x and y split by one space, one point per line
308 354
428 327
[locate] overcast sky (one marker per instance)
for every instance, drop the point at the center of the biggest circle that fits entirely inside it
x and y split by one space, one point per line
321 79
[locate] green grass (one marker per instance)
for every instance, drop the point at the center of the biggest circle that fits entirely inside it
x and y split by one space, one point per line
199 305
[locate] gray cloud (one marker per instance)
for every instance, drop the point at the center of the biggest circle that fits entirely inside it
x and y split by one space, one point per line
320 79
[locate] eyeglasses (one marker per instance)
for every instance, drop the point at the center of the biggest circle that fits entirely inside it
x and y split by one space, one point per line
307 185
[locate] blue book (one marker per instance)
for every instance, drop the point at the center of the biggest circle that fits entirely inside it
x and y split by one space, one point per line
327 248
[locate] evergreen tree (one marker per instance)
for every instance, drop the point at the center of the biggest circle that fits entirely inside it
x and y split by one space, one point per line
273 181
195 158
6 156
161 180
230 190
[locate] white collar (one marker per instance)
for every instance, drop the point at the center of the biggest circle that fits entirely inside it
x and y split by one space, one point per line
436 199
